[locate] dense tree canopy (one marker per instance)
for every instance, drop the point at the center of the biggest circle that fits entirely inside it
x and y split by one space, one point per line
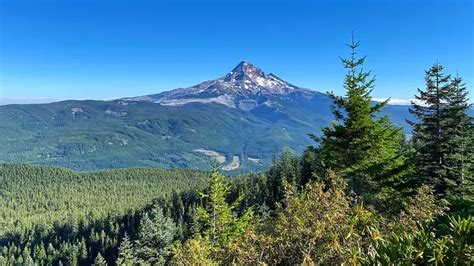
55 214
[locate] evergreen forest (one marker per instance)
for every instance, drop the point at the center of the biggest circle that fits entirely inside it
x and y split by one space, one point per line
365 193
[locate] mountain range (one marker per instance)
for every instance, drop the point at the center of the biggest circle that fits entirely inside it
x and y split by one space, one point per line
239 121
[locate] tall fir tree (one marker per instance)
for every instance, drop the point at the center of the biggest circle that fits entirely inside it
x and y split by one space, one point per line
219 222
40 253
460 129
429 137
360 145
156 235
284 169
308 165
99 260
83 250
442 134
126 253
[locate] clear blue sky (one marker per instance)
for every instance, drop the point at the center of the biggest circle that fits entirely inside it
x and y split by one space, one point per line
109 49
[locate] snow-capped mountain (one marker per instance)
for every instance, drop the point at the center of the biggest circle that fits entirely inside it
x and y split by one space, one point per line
241 120
245 87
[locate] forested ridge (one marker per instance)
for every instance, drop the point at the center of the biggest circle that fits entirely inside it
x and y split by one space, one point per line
62 210
362 194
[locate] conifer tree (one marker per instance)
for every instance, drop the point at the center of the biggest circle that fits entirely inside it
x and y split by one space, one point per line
442 133
217 218
51 251
157 233
27 260
430 140
126 256
40 253
460 159
360 145
72 256
82 250
285 169
308 165
99 260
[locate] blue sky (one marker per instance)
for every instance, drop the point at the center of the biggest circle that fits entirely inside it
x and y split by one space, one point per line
109 49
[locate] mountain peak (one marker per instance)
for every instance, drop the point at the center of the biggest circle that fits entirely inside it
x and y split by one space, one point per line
245 87
244 66
245 70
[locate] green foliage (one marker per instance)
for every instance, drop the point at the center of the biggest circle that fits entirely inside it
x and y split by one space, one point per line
195 251
360 146
44 196
155 240
52 214
126 253
216 217
156 235
422 207
218 224
443 134
309 165
461 231
286 169
425 245
99 260
460 127
302 229
303 210
320 225
305 229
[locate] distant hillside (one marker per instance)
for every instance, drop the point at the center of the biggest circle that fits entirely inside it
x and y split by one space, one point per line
33 196
239 121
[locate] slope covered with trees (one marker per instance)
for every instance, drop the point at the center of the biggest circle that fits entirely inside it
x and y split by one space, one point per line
53 214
